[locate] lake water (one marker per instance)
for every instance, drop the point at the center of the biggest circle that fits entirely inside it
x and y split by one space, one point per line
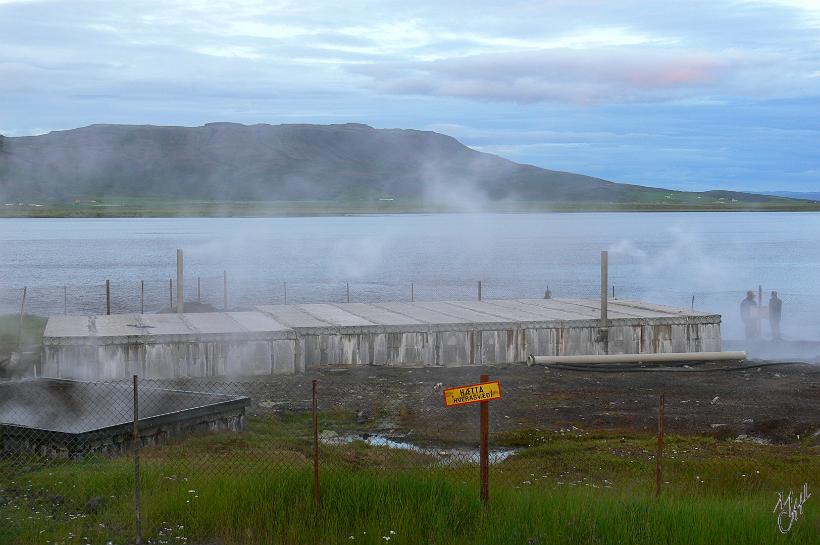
661 257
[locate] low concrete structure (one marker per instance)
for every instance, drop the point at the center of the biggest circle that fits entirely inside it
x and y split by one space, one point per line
289 338
67 419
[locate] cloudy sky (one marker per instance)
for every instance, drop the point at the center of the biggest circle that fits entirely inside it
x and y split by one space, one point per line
691 94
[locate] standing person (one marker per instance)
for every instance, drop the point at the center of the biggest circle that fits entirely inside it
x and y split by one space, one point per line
775 308
748 313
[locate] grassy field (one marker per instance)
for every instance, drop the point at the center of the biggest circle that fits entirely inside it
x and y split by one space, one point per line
143 207
255 487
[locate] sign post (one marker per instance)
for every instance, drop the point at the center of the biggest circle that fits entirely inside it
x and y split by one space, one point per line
481 393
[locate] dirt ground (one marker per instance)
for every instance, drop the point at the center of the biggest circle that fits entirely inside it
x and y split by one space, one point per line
771 403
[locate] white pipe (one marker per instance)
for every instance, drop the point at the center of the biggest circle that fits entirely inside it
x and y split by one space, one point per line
638 358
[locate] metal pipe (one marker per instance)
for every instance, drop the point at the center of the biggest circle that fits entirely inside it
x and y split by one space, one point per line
638 358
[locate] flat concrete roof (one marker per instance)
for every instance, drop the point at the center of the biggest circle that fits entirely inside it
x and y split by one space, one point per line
123 328
286 321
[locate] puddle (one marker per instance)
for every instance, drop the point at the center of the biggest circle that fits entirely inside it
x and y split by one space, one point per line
442 455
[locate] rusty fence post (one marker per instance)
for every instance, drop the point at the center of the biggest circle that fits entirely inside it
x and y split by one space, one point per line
485 446
659 454
316 493
136 440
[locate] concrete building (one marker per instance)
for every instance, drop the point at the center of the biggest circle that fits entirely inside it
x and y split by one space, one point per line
289 338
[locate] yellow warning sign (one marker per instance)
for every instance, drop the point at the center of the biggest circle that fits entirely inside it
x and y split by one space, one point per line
474 393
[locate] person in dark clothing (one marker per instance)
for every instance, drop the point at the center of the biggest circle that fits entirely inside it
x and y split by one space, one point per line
748 313
775 308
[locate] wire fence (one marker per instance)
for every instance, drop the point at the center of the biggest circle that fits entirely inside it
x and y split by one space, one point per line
159 459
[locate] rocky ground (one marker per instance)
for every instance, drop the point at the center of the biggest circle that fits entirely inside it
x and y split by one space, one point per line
766 403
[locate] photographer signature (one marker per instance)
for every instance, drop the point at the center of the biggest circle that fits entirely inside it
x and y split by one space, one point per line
790 508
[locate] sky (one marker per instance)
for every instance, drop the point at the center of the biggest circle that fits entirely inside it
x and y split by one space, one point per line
693 95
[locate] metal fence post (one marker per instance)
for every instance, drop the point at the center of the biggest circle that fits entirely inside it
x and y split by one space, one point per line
142 296
604 287
348 292
171 294
180 282
108 297
22 314
659 454
136 440
285 291
479 290
316 492
485 446
412 293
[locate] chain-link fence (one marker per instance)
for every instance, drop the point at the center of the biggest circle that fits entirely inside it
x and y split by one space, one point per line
233 461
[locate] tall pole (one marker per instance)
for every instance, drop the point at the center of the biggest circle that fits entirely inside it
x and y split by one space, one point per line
108 297
484 453
136 440
659 454
316 493
22 314
479 290
142 296
604 287
180 282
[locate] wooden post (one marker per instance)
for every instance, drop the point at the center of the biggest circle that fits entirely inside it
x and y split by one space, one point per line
316 492
659 454
108 297
22 314
180 282
136 439
479 290
484 453
142 296
604 288
225 290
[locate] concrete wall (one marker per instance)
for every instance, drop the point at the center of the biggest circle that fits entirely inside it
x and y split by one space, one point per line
502 346
170 359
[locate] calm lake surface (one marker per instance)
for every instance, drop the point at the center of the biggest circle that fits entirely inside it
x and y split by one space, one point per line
661 257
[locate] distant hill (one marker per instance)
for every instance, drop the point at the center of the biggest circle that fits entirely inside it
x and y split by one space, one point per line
233 162
804 195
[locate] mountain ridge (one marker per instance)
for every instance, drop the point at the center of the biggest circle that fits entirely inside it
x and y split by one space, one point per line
292 162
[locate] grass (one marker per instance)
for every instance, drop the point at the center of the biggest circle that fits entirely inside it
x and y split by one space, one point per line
255 487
